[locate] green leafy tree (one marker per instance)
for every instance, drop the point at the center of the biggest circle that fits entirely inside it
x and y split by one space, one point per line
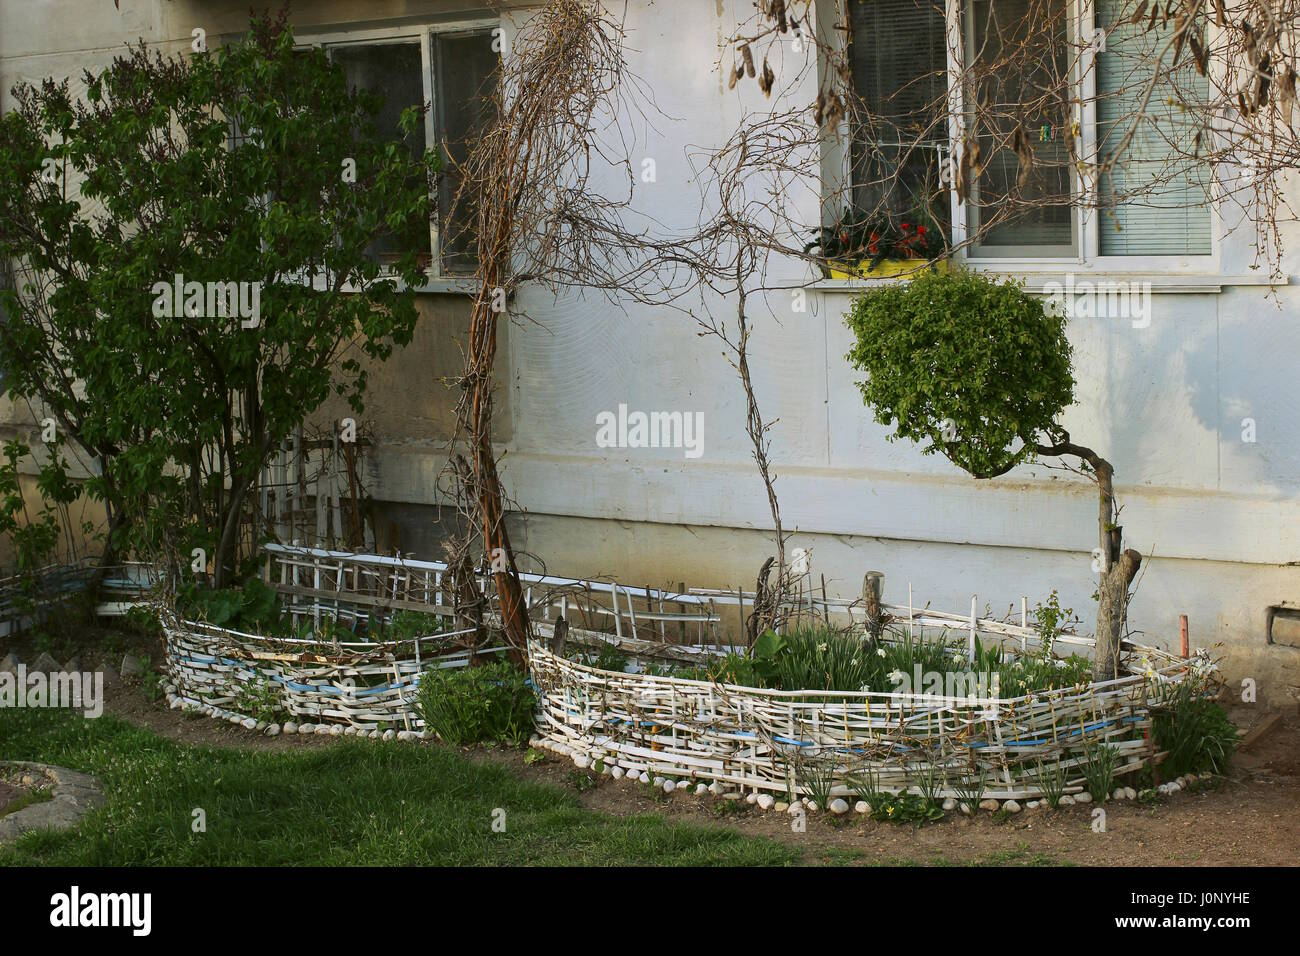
258 177
979 371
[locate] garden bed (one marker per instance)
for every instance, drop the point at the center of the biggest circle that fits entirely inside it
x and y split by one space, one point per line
832 743
346 652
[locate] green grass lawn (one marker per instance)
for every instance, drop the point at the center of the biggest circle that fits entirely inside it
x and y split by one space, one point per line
351 803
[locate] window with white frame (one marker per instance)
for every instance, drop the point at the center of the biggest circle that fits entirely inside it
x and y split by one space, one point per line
449 69
917 64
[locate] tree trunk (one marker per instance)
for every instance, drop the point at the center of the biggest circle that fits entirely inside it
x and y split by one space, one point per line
487 484
1117 569
229 535
1112 612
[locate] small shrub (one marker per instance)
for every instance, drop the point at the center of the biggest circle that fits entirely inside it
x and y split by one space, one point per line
261 700
581 781
1195 731
406 625
970 789
818 778
905 808
475 704
1051 780
609 658
1099 770
253 607
151 681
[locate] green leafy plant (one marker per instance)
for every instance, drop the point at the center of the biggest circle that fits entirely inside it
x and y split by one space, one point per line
406 625
581 781
816 659
927 777
1051 780
905 808
1051 619
970 788
150 681
818 776
1099 770
260 699
34 537
608 658
467 705
865 785
1196 732
253 607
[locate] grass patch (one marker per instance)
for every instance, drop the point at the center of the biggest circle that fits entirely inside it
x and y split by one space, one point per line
351 803
26 800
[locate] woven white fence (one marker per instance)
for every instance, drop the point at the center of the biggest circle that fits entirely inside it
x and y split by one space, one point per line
781 741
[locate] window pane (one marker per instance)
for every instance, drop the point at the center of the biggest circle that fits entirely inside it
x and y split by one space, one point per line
1152 203
395 72
899 59
465 63
1020 48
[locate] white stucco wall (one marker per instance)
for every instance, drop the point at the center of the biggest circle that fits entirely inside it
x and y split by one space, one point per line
1165 404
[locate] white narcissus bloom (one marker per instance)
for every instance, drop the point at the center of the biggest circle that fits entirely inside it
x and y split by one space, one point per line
880 652
896 676
821 648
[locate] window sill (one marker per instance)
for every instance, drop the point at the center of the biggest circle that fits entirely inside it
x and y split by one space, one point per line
1038 279
448 285
431 285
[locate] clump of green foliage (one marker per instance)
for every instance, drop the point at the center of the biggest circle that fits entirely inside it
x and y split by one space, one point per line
822 658
972 367
260 699
1051 780
1099 770
905 808
254 607
608 658
1196 732
151 682
468 705
406 625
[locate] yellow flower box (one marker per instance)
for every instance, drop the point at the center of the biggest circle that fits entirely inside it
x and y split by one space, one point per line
884 268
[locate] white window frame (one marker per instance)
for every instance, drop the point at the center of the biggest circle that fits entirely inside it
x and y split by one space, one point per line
437 280
836 174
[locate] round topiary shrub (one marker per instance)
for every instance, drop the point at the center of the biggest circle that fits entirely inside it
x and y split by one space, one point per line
978 367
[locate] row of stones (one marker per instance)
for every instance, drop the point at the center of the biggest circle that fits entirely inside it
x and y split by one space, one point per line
273 729
610 767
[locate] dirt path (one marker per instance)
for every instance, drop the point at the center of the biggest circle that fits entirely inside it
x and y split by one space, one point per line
1252 818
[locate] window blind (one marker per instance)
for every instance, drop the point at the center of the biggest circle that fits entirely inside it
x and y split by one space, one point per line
1153 202
1020 47
899 60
